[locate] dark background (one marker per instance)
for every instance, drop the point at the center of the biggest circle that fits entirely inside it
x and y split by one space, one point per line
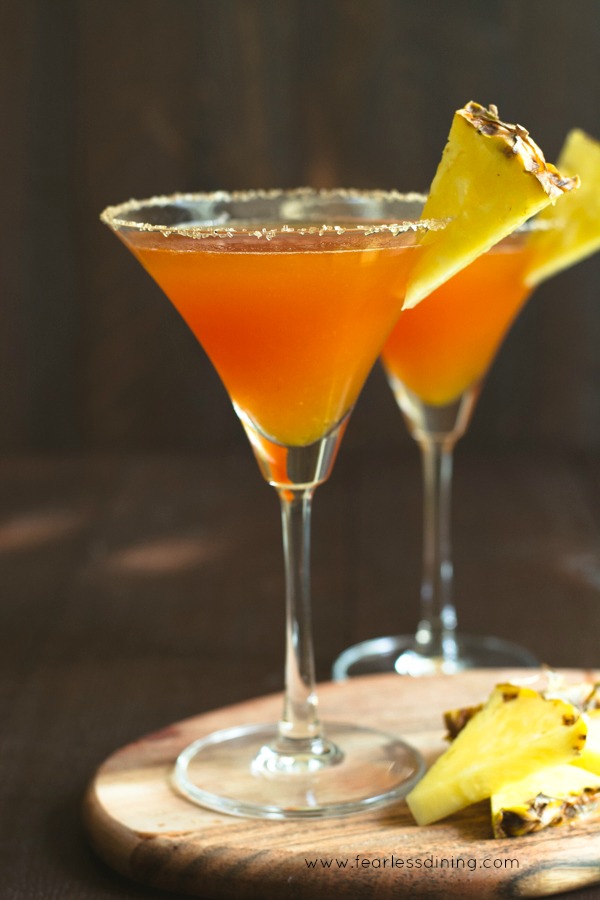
106 99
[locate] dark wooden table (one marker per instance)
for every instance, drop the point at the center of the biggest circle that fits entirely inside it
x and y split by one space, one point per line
140 591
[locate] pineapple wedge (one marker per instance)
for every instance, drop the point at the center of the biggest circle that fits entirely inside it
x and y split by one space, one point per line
590 755
548 797
574 231
515 733
584 696
491 178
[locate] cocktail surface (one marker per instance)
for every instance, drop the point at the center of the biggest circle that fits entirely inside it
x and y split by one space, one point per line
447 342
292 324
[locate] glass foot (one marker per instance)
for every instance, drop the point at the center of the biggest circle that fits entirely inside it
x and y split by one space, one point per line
238 771
399 654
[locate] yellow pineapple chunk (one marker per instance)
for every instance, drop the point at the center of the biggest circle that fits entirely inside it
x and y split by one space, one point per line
548 797
491 178
590 755
515 733
574 224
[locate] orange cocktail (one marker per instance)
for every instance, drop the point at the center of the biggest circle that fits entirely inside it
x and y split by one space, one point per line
291 326
435 359
292 295
446 344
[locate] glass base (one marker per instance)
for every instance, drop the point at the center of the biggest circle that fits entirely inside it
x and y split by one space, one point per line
399 654
240 771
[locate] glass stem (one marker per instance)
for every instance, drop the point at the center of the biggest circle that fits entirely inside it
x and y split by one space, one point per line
436 631
300 722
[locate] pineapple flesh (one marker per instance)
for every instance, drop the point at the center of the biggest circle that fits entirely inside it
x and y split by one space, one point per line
586 697
548 797
517 732
573 231
491 178
583 695
590 756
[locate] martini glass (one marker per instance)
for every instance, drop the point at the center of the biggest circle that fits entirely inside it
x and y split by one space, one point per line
435 361
291 294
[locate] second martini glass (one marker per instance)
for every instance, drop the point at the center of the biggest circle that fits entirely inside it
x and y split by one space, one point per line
435 361
292 295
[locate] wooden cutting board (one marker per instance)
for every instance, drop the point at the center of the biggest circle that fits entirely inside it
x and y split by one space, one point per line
144 830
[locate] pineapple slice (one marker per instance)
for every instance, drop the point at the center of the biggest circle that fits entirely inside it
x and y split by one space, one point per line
590 755
584 696
547 797
491 178
516 732
574 231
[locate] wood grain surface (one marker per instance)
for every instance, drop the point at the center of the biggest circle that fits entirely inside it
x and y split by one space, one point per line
140 826
140 591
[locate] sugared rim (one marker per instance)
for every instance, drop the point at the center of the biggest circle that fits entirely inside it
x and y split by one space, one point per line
122 215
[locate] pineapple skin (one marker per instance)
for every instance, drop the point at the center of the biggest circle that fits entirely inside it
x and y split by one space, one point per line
456 719
495 747
545 799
